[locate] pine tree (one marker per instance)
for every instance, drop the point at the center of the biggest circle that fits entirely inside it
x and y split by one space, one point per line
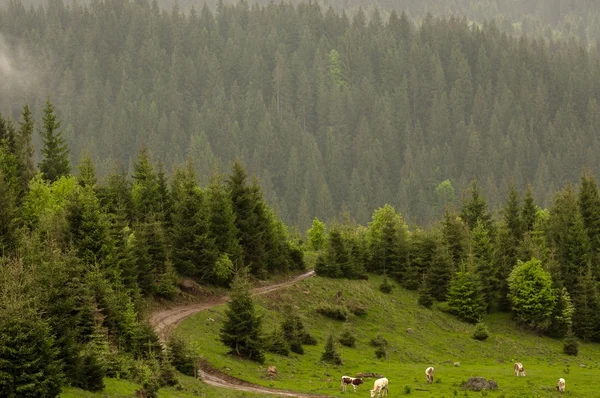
146 195
586 321
25 150
476 208
425 297
529 210
589 207
8 217
221 225
578 256
330 354
241 330
55 152
194 251
512 215
86 172
464 294
388 240
28 356
440 271
484 257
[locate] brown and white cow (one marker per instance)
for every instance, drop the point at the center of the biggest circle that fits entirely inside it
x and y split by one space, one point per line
351 380
561 385
429 374
380 387
519 369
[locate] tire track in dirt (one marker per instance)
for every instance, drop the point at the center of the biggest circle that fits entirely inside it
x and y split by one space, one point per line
166 320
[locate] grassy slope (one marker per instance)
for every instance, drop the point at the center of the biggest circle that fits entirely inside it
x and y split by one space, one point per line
190 388
438 339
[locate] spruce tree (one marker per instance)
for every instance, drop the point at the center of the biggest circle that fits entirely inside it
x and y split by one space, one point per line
221 221
55 152
388 240
484 257
512 214
330 354
8 217
25 150
475 208
194 251
529 210
147 199
440 271
242 327
464 294
86 175
586 319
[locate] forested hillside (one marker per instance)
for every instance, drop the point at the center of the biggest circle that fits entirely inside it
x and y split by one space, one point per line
331 113
79 259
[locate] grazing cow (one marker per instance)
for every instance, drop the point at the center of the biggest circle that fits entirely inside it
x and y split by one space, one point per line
561 385
380 388
519 369
351 380
429 374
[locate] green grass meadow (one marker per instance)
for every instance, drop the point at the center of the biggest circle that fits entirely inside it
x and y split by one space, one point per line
190 387
438 340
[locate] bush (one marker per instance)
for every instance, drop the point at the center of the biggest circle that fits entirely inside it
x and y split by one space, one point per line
181 356
386 286
481 332
406 390
308 339
278 344
336 312
357 309
347 339
330 354
571 345
379 341
381 352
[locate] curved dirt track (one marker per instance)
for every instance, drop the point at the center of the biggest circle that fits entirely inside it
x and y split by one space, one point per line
166 320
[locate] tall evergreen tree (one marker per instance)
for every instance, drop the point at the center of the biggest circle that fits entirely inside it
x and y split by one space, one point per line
464 294
484 258
25 150
529 210
55 152
241 331
475 208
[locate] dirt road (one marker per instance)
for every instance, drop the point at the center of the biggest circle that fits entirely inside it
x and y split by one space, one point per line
165 321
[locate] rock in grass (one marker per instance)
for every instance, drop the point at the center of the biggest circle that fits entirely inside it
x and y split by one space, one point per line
480 383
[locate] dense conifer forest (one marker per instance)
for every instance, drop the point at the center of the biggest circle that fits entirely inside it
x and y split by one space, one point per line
332 113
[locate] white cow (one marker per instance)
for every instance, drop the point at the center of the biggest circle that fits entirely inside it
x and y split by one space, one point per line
380 388
429 374
561 385
519 369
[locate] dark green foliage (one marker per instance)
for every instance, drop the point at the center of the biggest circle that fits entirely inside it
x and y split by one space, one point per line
347 339
8 216
29 365
425 297
529 210
381 352
241 330
55 152
337 312
92 373
181 356
86 175
464 295
194 252
571 345
440 272
357 308
586 319
294 332
475 209
562 315
277 343
484 256
330 354
388 242
145 191
481 331
379 341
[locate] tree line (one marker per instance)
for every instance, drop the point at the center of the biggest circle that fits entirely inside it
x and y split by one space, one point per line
79 257
541 264
332 112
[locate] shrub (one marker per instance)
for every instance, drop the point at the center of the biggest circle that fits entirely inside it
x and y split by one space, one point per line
308 339
347 339
330 354
386 286
181 356
278 344
481 332
571 346
406 390
379 341
336 312
357 309
381 352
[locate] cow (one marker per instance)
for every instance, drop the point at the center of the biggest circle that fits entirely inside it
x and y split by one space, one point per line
429 374
561 385
380 388
351 380
519 369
